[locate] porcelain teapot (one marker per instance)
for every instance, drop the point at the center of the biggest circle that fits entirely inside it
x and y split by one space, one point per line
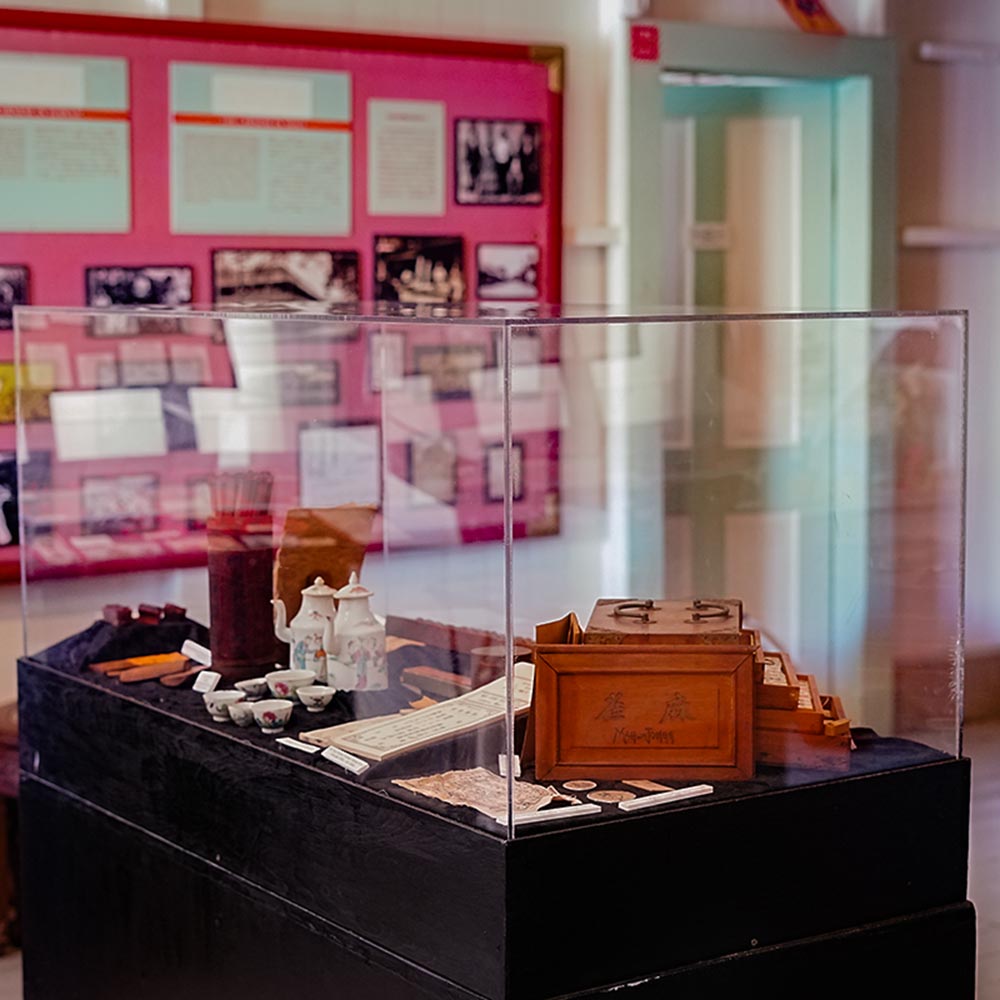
355 642
304 634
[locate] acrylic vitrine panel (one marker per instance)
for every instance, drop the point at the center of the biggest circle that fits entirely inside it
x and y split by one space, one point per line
758 573
309 498
709 554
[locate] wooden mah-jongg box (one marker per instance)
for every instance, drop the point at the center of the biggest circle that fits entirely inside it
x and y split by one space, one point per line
643 703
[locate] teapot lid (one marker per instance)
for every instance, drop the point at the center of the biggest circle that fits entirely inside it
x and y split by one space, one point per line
353 589
318 589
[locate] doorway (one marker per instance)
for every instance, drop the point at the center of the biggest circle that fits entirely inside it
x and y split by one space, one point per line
752 187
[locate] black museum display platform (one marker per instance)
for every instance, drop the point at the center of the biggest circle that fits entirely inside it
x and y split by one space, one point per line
166 855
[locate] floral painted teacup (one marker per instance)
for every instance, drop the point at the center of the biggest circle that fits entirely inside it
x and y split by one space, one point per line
218 702
241 712
272 714
255 687
316 696
284 683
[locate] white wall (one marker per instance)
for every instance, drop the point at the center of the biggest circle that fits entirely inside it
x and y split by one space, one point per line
949 147
859 17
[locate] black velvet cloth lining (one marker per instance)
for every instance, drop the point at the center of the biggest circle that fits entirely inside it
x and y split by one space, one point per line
102 641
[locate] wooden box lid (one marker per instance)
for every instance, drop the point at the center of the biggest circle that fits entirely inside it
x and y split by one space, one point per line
698 620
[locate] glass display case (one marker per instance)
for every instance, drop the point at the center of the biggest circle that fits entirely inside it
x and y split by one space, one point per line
515 571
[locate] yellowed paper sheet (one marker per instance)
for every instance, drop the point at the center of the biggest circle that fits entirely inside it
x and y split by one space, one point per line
481 790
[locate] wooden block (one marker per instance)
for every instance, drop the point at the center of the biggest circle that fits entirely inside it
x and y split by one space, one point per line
836 723
647 786
489 662
150 614
116 614
152 671
453 638
394 642
174 613
183 678
113 667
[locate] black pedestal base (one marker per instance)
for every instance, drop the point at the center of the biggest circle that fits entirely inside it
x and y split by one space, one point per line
166 855
113 912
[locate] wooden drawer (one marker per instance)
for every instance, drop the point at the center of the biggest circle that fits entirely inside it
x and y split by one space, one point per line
778 687
826 746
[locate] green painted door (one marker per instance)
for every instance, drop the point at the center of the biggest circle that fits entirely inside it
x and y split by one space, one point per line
754 488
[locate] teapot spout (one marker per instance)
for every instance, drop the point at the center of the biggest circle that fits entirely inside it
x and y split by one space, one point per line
281 621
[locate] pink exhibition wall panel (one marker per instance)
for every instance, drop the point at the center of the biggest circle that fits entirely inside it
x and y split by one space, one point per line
470 82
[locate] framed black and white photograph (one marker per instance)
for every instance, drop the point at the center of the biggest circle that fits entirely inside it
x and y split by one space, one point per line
450 367
14 291
168 285
507 271
432 469
143 362
36 475
494 474
119 505
498 162
309 383
386 359
420 269
97 370
188 370
269 278
339 463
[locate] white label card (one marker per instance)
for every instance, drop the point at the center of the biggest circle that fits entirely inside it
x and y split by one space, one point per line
195 651
677 795
207 681
287 741
550 815
346 760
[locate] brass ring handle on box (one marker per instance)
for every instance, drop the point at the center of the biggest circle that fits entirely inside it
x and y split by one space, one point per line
638 610
714 610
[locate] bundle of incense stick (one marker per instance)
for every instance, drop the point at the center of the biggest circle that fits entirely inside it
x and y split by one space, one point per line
240 494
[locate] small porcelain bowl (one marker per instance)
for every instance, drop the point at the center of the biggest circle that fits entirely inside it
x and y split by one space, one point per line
241 712
218 702
316 696
272 714
255 688
284 683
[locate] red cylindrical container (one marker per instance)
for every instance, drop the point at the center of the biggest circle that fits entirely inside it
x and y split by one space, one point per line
240 575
